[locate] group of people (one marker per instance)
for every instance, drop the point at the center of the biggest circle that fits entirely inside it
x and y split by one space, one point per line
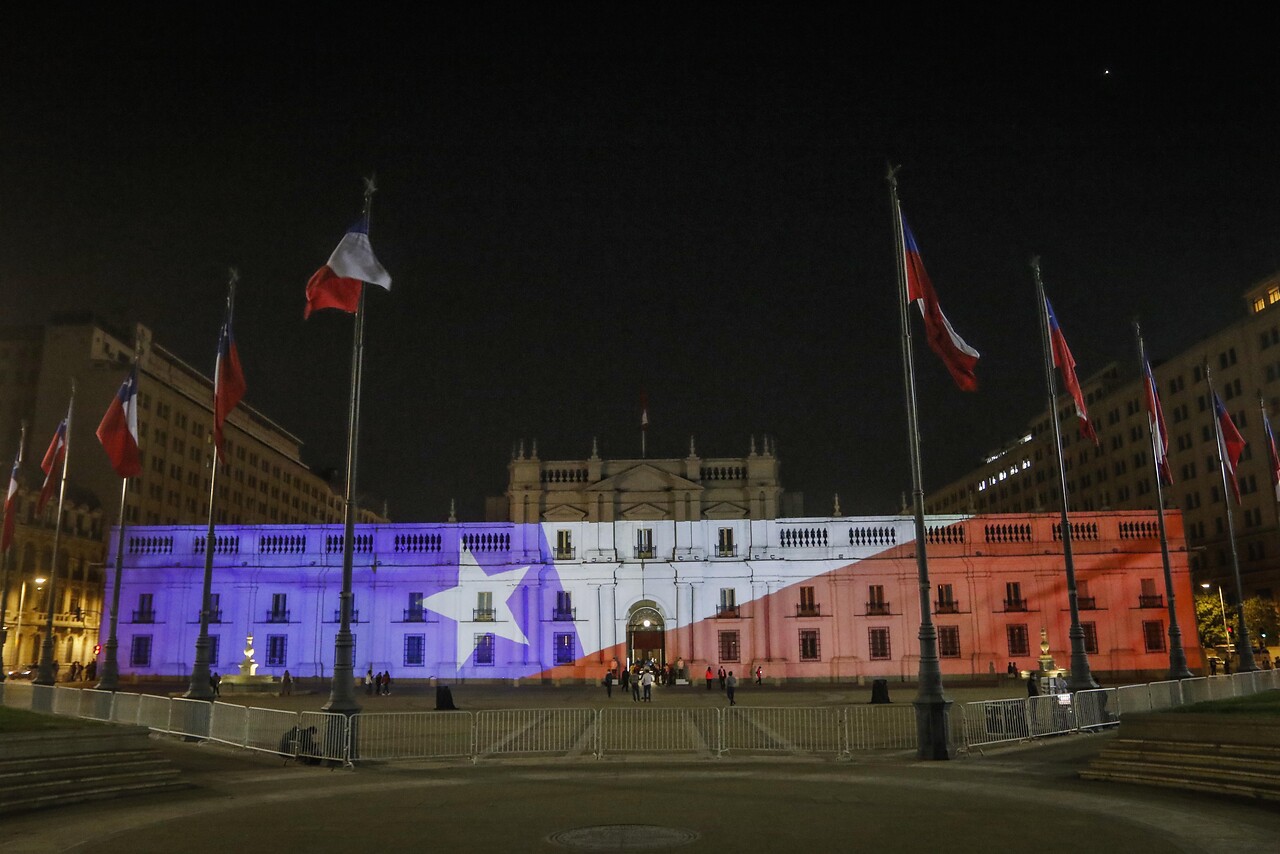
77 672
379 683
640 679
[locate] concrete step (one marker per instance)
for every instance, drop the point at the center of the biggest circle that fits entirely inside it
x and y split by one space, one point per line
1262 778
25 802
10 768
1215 785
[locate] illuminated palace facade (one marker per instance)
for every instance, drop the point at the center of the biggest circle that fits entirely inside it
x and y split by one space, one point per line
822 599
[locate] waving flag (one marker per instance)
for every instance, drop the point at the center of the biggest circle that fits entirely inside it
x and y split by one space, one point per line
338 283
1066 365
228 380
1155 417
1231 443
52 461
960 359
1272 454
10 499
118 431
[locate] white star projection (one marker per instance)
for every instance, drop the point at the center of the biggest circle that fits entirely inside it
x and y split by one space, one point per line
457 603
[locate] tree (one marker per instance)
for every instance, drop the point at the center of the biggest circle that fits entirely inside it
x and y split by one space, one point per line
1260 615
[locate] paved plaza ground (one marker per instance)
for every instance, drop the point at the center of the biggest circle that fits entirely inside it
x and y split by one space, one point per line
1016 798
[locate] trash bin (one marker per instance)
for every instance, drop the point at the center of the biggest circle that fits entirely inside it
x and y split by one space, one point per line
880 691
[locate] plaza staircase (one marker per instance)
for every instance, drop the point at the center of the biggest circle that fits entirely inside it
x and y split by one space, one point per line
68 766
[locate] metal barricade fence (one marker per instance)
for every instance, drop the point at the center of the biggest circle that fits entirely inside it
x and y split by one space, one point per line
153 712
994 721
327 732
124 708
881 727
1051 714
190 717
66 701
1132 699
788 730
1165 695
567 731
660 730
270 730
96 705
1195 690
1096 708
412 735
17 695
42 699
1221 687
229 724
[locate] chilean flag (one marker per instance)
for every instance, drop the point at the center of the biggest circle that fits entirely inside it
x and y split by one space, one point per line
118 431
1272 454
959 358
1155 416
228 380
52 460
338 283
1066 364
1232 443
6 539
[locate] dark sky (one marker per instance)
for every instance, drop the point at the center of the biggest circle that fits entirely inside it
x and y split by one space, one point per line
578 208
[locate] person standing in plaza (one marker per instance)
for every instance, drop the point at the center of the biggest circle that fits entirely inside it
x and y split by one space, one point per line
647 681
635 688
731 685
286 685
721 674
386 684
759 675
608 684
368 682
710 675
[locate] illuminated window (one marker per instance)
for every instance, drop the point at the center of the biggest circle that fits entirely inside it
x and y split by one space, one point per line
1273 294
484 607
277 646
1017 637
724 543
566 652
1090 638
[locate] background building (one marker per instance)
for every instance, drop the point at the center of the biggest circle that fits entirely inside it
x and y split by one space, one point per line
1244 359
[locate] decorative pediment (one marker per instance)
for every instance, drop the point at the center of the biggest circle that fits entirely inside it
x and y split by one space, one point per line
645 478
643 513
564 513
724 510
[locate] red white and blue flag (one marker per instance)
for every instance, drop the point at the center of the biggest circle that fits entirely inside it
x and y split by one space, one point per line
10 500
118 431
51 463
1272 454
338 283
228 380
1066 365
1231 444
959 358
1155 417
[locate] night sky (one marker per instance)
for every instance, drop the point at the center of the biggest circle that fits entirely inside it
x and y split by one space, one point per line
576 209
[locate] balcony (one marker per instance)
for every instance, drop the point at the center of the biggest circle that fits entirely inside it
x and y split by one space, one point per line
565 553
275 616
727 612
1150 601
878 609
1087 603
809 609
144 616
949 607
484 615
215 616
645 553
726 551
564 615
337 616
1015 604
415 615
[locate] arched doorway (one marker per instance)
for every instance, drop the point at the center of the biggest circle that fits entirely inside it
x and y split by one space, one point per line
646 633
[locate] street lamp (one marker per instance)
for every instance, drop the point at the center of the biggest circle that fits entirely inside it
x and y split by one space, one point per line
17 632
1222 603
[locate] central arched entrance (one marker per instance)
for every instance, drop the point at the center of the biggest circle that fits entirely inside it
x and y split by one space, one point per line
646 633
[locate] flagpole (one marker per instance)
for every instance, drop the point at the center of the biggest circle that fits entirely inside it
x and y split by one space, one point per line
342 694
46 675
1244 647
1177 655
1271 449
931 703
1081 676
200 687
110 680
4 592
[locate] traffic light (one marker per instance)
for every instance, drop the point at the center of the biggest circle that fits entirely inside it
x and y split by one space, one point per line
97 648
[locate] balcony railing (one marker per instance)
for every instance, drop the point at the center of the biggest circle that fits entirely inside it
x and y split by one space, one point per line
564 615
415 615
1150 601
809 609
1015 604
337 616
949 607
726 551
727 611
878 609
645 554
484 615
274 616
144 616
214 616
1087 603
564 554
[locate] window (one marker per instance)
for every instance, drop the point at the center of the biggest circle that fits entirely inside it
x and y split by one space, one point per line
807 607
413 614
1084 601
214 649
145 613
279 608
724 543
484 607
564 545
415 650
140 651
1018 645
215 607
810 648
1090 638
728 606
564 606
948 641
879 644
1149 598
946 603
277 645
876 604
728 646
644 544
565 653
1153 635
484 650
1013 600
